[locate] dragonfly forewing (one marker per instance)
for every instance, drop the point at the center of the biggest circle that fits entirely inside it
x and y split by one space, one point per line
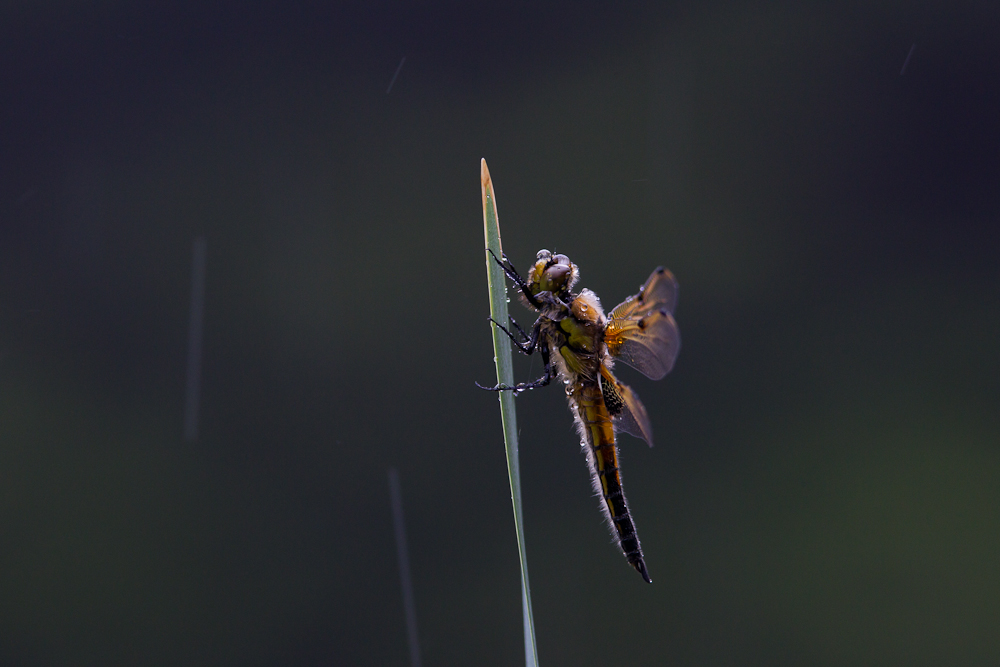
648 344
659 292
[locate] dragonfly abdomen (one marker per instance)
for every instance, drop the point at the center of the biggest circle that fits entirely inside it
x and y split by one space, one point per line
602 454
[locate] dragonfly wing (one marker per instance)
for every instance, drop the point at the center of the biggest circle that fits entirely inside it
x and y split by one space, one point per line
628 414
648 343
659 292
641 330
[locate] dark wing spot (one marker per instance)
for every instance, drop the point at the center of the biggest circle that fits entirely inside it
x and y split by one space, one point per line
613 400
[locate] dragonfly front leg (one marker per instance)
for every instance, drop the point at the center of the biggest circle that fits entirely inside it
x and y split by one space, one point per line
516 278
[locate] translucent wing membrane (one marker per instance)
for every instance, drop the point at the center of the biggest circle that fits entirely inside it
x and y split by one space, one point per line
628 414
648 344
657 293
641 330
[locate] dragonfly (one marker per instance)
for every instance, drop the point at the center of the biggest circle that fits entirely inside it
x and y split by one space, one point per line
579 344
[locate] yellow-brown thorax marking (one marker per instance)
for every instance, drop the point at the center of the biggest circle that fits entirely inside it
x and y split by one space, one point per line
578 338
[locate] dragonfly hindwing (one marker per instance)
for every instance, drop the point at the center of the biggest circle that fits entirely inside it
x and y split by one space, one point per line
613 399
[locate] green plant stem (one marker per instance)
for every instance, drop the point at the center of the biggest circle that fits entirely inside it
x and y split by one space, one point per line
505 375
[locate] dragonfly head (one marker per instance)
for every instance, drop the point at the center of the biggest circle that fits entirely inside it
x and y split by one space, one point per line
552 273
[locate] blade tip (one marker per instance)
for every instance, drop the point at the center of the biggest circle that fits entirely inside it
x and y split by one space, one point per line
484 172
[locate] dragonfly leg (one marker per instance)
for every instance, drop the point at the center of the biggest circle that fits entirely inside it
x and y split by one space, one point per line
525 386
520 386
515 277
530 342
535 384
519 329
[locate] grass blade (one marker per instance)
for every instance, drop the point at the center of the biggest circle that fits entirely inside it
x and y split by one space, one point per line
505 375
403 555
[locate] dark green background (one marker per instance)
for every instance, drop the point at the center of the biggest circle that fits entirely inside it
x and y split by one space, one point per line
825 489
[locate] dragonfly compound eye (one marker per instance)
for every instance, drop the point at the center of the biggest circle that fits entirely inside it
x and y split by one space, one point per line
552 273
555 277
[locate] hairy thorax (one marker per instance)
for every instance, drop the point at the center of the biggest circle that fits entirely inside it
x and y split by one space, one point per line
576 341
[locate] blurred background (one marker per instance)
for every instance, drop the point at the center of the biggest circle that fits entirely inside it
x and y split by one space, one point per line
822 178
